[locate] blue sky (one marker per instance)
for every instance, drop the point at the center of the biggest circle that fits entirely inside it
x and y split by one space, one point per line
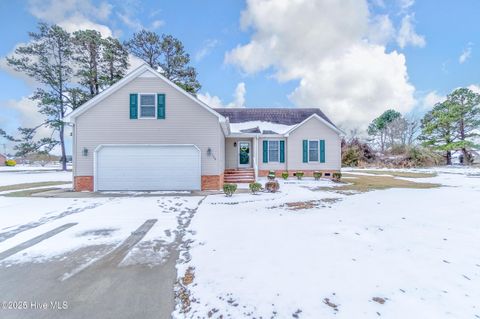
353 60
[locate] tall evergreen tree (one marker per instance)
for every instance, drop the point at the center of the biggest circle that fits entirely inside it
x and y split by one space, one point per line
378 129
88 45
467 109
114 62
439 129
48 59
167 54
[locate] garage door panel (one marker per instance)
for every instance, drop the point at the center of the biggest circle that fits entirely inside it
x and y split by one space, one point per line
158 167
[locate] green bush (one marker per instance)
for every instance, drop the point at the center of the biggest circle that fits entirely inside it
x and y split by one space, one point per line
229 189
255 187
10 162
337 176
299 175
285 175
317 175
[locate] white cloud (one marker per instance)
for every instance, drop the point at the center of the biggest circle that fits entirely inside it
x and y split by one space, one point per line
211 100
466 54
407 34
326 45
215 102
27 115
475 88
430 99
157 24
73 15
239 96
130 22
208 46
406 4
381 29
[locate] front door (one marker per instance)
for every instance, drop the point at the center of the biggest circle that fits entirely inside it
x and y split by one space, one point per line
243 154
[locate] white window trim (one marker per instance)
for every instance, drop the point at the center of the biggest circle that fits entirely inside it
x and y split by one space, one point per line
278 150
318 151
139 106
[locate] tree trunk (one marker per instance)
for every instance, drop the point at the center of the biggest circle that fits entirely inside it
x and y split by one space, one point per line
449 157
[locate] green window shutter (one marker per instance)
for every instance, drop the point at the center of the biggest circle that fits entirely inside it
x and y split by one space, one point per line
322 151
305 151
265 151
282 151
160 106
133 106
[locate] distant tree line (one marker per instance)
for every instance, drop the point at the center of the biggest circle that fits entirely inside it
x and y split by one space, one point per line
452 125
72 68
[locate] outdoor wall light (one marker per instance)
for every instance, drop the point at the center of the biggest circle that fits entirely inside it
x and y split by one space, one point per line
85 151
234 144
209 151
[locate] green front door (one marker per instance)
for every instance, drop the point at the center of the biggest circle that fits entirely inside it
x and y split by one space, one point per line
244 154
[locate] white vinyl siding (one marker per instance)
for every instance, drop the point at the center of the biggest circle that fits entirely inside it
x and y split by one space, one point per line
187 123
274 151
313 151
147 106
147 168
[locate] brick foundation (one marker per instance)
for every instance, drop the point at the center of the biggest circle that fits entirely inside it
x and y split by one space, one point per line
212 182
83 183
209 182
307 173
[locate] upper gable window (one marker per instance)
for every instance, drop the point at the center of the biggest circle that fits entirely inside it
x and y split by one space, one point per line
147 106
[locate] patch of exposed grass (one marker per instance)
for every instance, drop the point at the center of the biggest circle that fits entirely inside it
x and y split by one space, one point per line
31 185
399 173
365 183
29 192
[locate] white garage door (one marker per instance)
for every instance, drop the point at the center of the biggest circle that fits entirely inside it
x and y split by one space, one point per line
147 167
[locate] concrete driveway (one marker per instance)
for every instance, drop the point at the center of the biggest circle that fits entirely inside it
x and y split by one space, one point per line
120 263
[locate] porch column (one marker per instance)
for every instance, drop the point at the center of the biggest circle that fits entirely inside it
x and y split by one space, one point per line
255 156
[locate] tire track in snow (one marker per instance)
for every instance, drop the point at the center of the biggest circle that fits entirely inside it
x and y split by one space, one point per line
9 234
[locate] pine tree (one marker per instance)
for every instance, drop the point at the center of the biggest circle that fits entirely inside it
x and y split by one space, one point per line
166 54
114 62
439 128
467 109
48 60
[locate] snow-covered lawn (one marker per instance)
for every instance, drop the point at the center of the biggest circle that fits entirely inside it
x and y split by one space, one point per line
14 176
396 253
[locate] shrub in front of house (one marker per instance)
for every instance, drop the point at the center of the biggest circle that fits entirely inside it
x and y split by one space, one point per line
285 175
299 175
336 176
272 186
317 175
255 187
229 189
10 162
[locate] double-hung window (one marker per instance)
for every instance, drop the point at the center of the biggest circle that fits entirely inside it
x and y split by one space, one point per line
313 151
273 151
147 106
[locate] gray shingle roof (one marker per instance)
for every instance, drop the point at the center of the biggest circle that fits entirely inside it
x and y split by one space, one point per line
285 116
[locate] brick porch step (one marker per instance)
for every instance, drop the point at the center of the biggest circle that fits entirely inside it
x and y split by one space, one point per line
241 175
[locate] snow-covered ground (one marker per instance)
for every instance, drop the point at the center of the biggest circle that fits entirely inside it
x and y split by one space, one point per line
397 253
32 176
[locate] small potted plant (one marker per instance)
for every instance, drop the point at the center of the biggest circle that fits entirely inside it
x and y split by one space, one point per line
285 175
337 176
271 175
299 175
317 175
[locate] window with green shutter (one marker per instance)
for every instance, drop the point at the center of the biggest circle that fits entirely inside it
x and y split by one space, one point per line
160 106
133 106
265 151
282 151
322 151
305 151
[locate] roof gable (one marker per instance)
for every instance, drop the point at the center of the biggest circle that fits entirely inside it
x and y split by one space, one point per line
142 71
